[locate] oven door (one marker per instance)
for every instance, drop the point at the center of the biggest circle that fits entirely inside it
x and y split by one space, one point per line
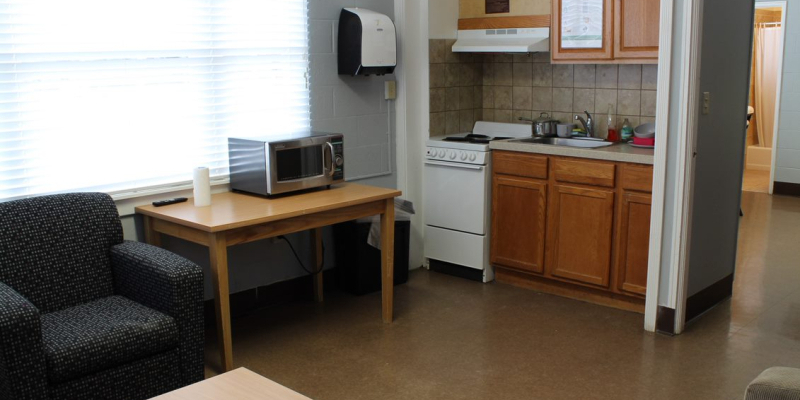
457 196
301 166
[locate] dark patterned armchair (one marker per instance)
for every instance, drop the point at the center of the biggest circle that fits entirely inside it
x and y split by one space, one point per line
86 315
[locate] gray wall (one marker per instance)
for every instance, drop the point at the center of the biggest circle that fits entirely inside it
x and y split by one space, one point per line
787 164
725 73
354 106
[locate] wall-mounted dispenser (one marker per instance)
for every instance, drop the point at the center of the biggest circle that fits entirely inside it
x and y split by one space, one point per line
367 43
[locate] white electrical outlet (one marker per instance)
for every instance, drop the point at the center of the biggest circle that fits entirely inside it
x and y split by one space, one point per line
390 90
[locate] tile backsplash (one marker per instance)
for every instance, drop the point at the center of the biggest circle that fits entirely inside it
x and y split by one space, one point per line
469 87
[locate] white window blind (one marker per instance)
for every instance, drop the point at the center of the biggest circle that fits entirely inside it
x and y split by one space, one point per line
114 95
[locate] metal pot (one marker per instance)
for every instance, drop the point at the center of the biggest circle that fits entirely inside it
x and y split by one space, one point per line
542 126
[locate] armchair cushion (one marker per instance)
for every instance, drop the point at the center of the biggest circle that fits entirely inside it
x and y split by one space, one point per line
103 333
776 383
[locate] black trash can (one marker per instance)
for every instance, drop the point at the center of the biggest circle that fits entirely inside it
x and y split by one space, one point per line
358 264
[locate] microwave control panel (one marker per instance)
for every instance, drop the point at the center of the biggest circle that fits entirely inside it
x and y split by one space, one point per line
338 160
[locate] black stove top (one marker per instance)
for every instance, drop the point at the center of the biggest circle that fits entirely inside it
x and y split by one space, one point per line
473 138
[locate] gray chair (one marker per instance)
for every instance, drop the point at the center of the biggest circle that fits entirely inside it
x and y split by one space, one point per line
776 383
86 315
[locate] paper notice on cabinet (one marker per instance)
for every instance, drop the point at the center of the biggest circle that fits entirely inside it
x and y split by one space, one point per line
582 24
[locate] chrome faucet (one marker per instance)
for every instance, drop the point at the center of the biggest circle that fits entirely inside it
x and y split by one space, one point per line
588 124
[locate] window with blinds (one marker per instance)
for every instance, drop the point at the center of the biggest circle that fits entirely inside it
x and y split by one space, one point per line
117 96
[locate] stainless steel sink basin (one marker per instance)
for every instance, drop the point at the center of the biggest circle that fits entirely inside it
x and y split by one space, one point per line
582 143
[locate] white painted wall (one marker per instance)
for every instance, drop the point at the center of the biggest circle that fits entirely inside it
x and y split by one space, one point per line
354 106
725 74
787 163
443 19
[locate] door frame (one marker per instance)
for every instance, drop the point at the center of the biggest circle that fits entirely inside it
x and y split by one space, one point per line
668 291
779 88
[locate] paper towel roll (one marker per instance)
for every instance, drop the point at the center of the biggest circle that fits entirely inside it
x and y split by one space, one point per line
202 187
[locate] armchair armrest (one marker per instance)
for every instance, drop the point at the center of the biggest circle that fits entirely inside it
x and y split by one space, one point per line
170 284
23 367
776 383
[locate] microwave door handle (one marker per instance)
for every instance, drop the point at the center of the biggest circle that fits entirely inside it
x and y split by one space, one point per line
333 159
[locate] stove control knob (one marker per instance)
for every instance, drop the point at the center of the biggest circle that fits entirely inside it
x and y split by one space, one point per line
472 157
451 154
440 154
463 156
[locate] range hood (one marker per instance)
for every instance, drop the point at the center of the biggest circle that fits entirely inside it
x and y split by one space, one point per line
512 40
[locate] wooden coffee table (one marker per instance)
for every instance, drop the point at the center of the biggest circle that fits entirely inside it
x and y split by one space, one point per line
239 384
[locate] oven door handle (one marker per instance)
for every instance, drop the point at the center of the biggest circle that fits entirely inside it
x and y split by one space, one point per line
333 159
454 165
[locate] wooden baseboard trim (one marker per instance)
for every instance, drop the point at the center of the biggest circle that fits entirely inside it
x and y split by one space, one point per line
786 188
524 21
557 288
709 297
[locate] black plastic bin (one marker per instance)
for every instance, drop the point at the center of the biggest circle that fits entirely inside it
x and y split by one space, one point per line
358 265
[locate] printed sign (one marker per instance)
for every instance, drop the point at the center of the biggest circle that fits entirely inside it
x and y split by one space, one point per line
497 6
582 24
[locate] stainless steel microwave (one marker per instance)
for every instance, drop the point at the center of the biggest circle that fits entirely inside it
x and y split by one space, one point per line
281 165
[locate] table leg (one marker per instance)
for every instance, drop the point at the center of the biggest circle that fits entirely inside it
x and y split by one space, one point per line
387 259
316 237
151 236
218 251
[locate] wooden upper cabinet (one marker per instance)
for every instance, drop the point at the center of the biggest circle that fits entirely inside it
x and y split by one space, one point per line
580 234
630 32
636 29
560 46
634 242
518 222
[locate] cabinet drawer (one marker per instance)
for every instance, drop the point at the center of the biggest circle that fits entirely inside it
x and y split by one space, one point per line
586 172
637 177
519 164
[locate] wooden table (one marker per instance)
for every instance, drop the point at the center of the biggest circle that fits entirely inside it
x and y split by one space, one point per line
239 384
234 218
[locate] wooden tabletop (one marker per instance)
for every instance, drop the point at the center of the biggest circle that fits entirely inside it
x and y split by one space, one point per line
235 210
239 384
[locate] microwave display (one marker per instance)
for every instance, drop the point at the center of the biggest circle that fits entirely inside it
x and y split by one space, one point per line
299 163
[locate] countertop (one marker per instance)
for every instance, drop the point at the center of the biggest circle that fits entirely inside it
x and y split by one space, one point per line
621 152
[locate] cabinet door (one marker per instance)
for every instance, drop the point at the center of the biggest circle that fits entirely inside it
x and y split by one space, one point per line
636 29
634 242
518 222
582 30
580 234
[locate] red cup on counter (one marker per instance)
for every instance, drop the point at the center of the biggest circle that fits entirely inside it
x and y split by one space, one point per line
644 141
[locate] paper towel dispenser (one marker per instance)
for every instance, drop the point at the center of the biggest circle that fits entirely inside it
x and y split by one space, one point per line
367 43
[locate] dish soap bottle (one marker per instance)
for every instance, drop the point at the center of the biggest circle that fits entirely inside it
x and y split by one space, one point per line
626 131
612 131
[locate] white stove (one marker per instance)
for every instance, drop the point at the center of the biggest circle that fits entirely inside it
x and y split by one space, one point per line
457 198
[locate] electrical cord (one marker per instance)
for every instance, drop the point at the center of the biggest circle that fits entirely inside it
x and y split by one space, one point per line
321 267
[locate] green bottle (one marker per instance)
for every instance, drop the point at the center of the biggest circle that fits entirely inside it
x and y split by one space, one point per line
626 131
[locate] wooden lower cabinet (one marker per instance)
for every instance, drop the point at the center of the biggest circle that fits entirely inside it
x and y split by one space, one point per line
519 207
580 228
580 234
634 241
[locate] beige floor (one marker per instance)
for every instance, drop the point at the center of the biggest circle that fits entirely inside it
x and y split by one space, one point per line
457 339
755 181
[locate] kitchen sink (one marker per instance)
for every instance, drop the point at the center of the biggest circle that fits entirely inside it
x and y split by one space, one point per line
583 143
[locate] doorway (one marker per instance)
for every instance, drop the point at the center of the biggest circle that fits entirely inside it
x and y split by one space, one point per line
764 98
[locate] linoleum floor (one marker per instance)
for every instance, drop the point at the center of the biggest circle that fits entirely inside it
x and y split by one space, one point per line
457 339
